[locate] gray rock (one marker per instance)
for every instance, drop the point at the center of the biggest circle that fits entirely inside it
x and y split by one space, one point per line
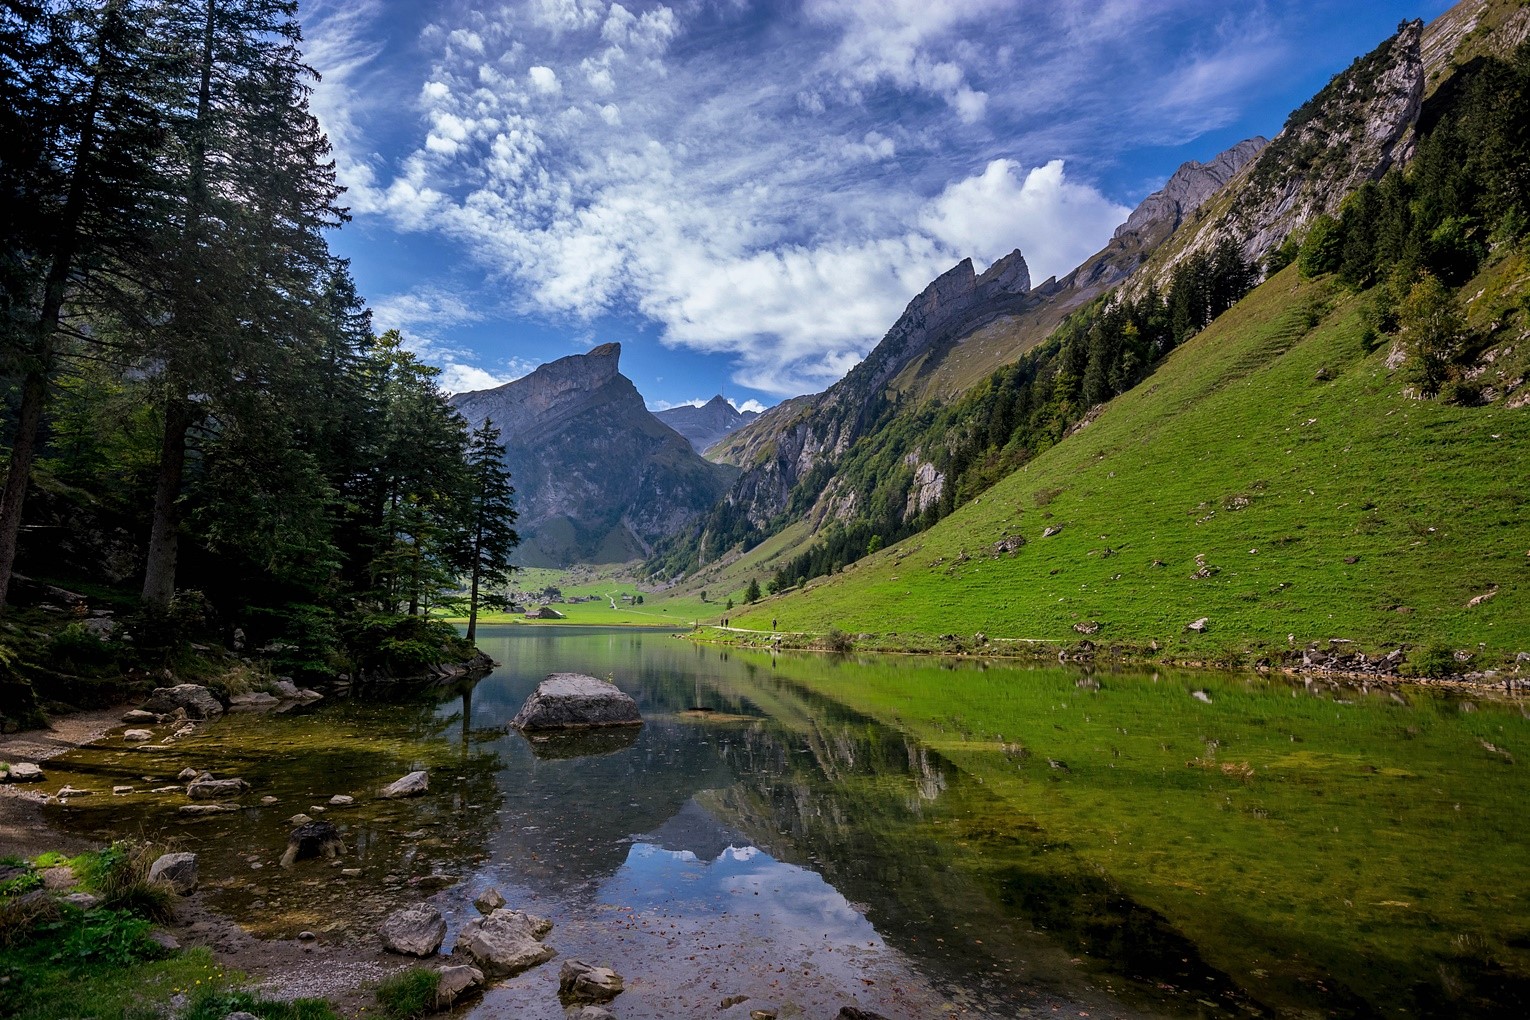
137 736
1087 627
138 715
299 819
856 1013
60 877
197 701
506 942
412 785
489 901
1048 532
164 940
99 627
215 789
579 982
312 839
416 930
576 701
82 900
241 1015
179 870
187 774
453 982
255 701
597 1013
342 800
193 810
70 791
24 772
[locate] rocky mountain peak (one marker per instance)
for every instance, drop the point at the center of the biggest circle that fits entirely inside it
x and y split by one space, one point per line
702 426
1188 188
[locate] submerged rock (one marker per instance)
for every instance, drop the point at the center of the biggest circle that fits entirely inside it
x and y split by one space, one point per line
576 701
215 789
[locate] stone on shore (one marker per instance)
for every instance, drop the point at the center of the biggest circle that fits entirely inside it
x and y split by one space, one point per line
416 930
576 701
178 870
453 982
24 772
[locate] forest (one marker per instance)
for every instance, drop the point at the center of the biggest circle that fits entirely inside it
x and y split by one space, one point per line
202 428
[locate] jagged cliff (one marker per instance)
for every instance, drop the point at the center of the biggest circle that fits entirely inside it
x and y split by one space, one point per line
705 425
1360 125
563 427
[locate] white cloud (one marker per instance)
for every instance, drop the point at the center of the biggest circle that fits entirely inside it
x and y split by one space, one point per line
776 198
545 80
1055 222
747 406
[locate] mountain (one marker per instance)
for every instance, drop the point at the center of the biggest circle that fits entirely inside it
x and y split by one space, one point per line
564 426
1313 477
961 328
705 425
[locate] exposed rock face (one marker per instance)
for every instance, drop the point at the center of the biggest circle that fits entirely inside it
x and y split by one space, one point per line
197 702
507 942
574 701
1191 185
417 930
1354 130
705 425
179 870
598 478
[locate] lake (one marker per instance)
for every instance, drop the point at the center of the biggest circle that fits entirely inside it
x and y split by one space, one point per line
916 836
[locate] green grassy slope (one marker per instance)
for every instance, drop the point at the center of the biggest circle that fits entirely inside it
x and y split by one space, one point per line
1277 446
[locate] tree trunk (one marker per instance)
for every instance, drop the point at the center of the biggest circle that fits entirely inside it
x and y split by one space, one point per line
159 573
472 629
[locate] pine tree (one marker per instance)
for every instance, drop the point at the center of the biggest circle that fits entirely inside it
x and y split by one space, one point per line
82 87
488 504
244 253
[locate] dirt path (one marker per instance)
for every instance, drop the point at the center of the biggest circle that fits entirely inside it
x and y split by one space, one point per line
23 832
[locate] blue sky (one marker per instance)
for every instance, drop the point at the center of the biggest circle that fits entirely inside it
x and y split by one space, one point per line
745 194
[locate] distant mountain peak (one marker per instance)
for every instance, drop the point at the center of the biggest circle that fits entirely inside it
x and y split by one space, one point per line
705 425
599 477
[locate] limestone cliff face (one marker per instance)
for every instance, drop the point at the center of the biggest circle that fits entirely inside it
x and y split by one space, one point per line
790 440
598 478
1357 128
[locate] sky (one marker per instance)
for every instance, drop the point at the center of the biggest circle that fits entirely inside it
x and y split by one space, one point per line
746 194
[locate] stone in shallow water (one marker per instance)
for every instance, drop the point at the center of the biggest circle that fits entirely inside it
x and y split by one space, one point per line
489 901
573 701
453 982
412 785
580 982
24 772
506 942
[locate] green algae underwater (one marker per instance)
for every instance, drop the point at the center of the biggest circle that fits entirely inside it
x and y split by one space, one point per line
1169 843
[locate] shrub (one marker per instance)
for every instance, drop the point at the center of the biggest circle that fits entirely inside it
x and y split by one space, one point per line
838 641
76 649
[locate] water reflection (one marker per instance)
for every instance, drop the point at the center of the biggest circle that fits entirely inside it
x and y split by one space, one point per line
984 840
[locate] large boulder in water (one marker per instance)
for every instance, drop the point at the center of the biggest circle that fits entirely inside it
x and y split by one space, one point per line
195 700
574 701
507 942
312 839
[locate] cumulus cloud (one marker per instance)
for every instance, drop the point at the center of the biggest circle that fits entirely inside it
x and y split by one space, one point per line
770 188
1055 222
